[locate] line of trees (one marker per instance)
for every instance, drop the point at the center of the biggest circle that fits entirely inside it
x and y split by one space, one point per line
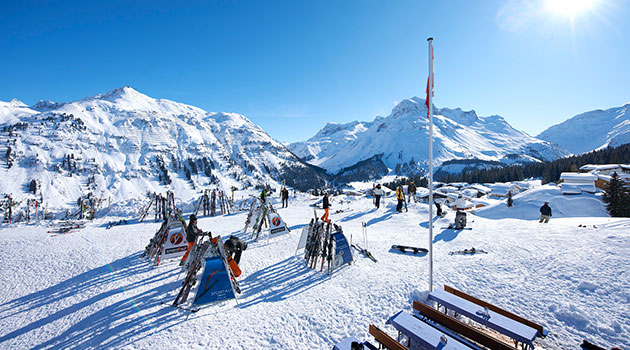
547 171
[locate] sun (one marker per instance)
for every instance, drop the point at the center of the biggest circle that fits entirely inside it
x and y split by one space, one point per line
569 8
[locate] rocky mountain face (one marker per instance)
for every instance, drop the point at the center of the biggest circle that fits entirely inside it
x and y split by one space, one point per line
123 144
402 140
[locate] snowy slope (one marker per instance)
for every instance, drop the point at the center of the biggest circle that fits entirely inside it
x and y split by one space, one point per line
402 138
526 205
592 130
91 290
123 143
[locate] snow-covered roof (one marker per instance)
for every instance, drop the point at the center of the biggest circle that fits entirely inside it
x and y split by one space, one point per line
459 184
623 176
502 189
578 177
573 188
469 192
481 188
600 167
447 189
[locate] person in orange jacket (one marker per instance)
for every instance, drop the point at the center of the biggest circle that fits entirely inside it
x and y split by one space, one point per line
325 206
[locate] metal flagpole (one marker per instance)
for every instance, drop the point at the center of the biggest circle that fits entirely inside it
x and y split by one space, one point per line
430 103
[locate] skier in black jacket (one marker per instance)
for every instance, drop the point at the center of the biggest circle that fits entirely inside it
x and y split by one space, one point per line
235 246
285 197
192 232
545 213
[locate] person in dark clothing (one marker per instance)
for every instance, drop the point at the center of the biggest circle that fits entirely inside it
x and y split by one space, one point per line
235 246
439 208
411 189
545 213
325 206
192 232
285 197
378 192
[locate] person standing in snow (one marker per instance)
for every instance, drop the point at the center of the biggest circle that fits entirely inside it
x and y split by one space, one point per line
460 216
439 208
378 192
412 192
285 197
192 232
400 195
545 213
263 195
325 206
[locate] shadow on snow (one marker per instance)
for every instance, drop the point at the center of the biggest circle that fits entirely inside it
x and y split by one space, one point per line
110 326
280 281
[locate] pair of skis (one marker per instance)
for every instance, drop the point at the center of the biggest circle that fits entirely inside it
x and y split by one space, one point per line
319 246
361 250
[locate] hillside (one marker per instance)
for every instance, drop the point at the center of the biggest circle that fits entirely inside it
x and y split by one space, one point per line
122 144
591 130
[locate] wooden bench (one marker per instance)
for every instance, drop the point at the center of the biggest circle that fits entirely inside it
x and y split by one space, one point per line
542 332
385 340
460 327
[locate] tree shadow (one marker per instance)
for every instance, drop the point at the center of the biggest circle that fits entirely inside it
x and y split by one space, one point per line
110 327
280 281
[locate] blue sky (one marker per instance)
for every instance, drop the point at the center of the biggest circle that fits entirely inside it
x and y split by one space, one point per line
293 66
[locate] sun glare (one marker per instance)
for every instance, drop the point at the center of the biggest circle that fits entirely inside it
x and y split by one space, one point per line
569 8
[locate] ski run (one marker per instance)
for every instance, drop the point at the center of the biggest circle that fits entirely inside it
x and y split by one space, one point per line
88 287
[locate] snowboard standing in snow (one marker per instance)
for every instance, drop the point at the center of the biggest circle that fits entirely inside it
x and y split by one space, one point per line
408 249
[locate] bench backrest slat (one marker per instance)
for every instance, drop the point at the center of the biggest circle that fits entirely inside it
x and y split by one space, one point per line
496 309
460 327
385 339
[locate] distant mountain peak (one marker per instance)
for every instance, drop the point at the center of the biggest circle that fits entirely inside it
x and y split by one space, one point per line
402 138
45 105
125 92
17 103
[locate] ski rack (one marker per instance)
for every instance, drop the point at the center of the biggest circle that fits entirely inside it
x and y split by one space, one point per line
194 263
321 242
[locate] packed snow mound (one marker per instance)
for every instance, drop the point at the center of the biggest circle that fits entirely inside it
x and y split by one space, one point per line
592 130
527 204
402 138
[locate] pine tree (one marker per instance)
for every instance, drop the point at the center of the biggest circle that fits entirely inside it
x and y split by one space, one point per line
510 202
617 198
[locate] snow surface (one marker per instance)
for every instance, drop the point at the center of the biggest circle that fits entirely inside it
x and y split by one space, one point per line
91 290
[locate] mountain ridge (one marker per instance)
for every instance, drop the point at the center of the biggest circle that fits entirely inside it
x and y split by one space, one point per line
402 137
123 144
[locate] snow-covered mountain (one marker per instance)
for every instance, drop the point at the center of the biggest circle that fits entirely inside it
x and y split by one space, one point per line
592 130
401 140
121 144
